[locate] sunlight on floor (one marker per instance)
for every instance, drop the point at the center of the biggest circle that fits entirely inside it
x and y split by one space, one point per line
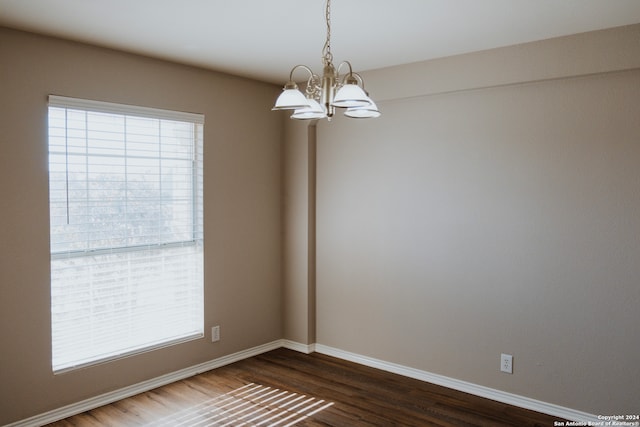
250 405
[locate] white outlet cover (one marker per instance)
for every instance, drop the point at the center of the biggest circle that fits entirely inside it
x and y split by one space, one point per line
506 363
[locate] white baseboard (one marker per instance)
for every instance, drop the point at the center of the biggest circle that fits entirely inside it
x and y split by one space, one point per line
477 390
302 348
123 393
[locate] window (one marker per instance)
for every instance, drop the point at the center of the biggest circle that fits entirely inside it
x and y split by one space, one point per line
126 229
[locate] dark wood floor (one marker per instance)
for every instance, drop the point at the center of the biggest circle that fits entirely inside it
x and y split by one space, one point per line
286 388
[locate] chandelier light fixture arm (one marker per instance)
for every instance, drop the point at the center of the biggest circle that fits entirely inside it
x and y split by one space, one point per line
300 66
348 64
323 94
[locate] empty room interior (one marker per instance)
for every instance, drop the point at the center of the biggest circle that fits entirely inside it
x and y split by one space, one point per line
487 221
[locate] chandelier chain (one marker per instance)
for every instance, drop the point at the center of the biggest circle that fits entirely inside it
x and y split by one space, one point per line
327 56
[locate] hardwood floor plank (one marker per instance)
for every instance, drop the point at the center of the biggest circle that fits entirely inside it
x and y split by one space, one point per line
283 388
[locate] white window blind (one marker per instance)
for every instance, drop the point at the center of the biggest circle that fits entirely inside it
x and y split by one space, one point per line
126 229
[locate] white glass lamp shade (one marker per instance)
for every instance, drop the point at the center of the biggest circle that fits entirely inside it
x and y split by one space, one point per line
314 111
350 95
291 99
367 112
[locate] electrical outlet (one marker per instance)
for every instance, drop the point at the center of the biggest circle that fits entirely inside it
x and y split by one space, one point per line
215 333
506 363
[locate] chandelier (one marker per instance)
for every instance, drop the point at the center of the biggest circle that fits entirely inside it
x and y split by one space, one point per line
324 94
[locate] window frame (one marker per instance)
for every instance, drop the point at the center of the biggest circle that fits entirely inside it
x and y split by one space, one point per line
197 210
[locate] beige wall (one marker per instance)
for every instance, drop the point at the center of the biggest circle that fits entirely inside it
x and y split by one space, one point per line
242 211
299 232
495 208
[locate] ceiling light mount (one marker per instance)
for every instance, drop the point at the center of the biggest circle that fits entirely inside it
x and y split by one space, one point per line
323 94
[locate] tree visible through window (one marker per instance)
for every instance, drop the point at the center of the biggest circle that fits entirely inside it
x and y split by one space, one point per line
126 229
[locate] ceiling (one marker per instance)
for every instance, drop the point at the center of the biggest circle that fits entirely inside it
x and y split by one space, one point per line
264 39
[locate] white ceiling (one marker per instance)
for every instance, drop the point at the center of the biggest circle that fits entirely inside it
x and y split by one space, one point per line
264 39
